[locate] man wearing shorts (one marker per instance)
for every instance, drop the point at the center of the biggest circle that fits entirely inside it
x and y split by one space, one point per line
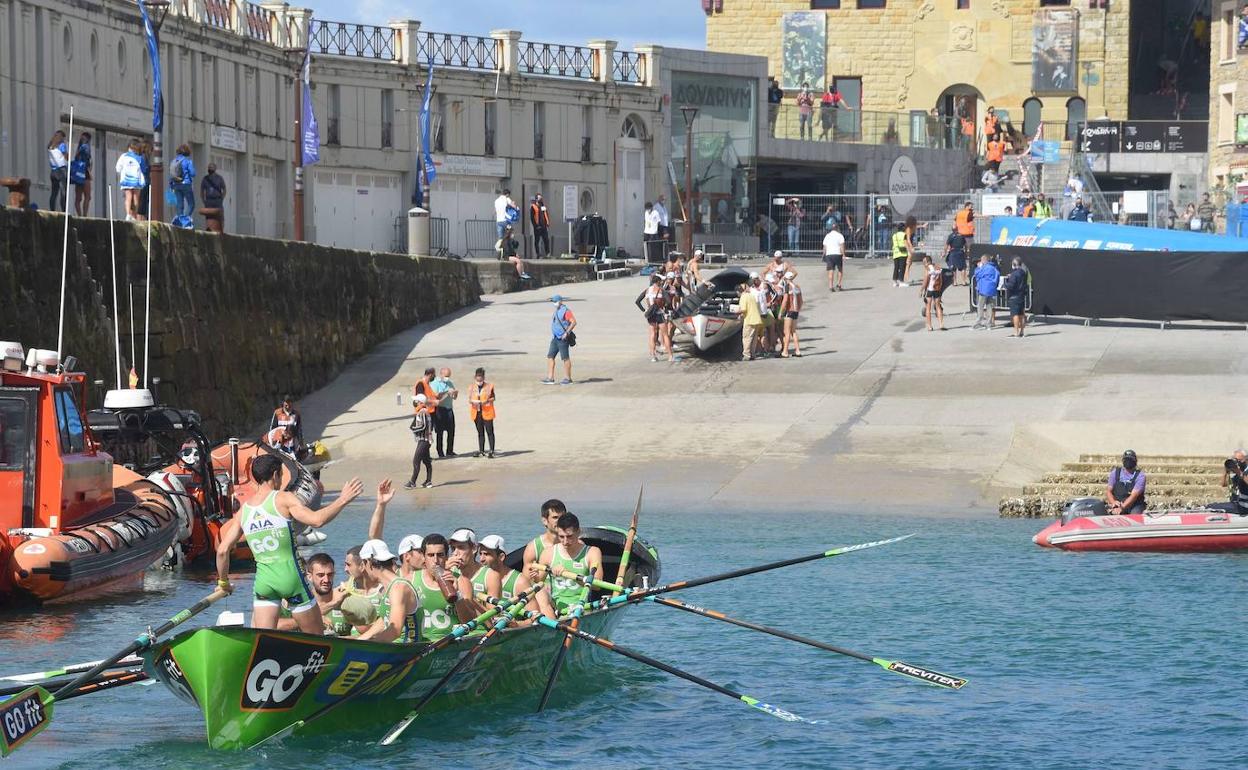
265 522
561 325
834 258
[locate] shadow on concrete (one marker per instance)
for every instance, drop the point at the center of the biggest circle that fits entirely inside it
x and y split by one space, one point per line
592 380
454 483
1122 323
481 354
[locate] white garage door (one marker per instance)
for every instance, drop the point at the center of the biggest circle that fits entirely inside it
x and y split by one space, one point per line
227 167
264 198
461 199
356 211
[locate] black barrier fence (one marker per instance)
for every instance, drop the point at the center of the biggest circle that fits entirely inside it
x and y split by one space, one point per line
1145 285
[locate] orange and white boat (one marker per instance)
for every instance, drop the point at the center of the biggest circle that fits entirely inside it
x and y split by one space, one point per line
72 523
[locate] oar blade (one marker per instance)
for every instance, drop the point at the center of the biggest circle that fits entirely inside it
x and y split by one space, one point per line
774 711
393 735
22 717
863 546
924 675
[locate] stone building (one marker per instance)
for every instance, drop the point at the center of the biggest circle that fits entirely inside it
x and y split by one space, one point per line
1054 62
1228 124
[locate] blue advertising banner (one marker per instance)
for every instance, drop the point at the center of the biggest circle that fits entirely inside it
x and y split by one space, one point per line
310 146
1095 236
153 52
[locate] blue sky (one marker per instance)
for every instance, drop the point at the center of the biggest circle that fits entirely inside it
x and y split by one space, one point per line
677 23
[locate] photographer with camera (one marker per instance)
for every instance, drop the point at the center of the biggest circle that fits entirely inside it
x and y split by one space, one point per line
1233 471
1125 490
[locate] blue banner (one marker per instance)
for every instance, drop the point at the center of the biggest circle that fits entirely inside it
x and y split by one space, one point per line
1097 236
310 146
431 173
153 52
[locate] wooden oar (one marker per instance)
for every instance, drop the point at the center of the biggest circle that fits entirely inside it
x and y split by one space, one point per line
637 595
144 640
35 703
752 702
36 677
628 546
896 666
458 632
567 638
393 733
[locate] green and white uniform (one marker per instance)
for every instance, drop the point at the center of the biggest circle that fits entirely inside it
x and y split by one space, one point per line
272 543
509 585
411 622
566 592
539 546
478 581
437 616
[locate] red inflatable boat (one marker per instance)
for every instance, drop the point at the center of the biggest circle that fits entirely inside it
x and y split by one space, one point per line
1084 526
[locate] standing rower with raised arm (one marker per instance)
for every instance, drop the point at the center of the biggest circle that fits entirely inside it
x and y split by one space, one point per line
570 554
265 522
551 511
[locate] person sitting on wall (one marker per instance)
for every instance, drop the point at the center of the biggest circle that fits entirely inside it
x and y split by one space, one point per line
508 247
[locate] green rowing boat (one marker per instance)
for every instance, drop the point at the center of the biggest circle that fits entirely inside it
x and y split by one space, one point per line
251 684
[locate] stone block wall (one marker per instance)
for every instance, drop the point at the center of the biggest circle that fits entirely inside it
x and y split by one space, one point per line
236 321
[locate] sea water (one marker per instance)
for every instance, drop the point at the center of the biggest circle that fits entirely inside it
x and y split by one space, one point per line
1074 660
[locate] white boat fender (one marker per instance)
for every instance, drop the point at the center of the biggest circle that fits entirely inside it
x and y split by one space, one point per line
311 537
178 497
228 618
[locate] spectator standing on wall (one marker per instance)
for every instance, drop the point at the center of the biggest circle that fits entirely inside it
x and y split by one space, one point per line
182 182
212 190
1207 211
805 113
80 175
829 104
775 95
58 160
503 206
539 219
562 338
131 179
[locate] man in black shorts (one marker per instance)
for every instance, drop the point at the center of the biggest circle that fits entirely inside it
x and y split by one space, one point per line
955 256
834 258
1016 284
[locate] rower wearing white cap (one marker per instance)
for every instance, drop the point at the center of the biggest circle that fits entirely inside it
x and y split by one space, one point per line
503 582
411 560
463 557
695 268
398 614
778 264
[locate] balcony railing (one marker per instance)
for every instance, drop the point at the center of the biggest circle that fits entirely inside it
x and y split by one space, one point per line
219 13
465 51
261 23
336 38
554 60
866 127
628 67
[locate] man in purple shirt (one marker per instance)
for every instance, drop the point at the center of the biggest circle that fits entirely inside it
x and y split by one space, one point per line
1125 490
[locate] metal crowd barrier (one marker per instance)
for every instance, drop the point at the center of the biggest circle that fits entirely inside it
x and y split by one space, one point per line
480 236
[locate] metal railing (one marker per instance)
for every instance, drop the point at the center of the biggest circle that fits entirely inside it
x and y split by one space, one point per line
219 13
867 222
261 23
830 124
480 237
628 67
466 51
440 236
555 60
366 41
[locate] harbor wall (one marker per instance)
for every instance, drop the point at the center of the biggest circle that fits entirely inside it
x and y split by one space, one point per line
236 321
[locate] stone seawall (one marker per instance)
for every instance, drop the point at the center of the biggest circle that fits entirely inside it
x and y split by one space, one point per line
236 321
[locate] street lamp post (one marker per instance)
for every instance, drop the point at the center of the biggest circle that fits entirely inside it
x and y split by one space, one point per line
156 174
691 113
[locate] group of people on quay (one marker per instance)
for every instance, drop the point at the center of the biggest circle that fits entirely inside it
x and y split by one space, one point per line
771 302
416 593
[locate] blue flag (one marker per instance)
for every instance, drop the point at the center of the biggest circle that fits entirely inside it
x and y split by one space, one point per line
431 172
310 146
158 99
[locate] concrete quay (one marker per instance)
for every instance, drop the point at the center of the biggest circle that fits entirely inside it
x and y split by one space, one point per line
879 415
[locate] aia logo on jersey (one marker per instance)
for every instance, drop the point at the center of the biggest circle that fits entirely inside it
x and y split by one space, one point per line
279 672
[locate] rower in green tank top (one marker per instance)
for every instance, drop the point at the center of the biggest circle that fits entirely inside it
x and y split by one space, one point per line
503 582
398 618
551 511
436 591
471 575
265 520
570 554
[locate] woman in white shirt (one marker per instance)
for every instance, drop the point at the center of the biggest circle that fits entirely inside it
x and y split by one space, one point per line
58 159
131 180
932 285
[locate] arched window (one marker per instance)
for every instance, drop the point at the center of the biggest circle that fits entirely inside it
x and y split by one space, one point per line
633 128
1076 113
1031 116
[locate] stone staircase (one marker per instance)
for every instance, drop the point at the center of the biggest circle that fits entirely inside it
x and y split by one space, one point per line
1174 481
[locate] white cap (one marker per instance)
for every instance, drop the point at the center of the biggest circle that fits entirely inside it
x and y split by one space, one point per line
377 550
419 398
698 252
779 254
463 536
789 274
493 542
753 276
410 543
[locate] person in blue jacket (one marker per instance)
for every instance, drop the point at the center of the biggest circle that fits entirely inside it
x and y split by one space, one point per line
182 181
986 278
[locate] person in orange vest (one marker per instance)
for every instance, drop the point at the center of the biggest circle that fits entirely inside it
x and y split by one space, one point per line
282 439
964 221
539 218
481 411
992 126
995 154
424 387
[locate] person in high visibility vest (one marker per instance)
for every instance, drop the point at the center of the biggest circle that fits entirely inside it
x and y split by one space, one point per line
481 410
424 387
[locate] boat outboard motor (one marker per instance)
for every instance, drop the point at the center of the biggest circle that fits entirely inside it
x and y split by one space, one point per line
1083 506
